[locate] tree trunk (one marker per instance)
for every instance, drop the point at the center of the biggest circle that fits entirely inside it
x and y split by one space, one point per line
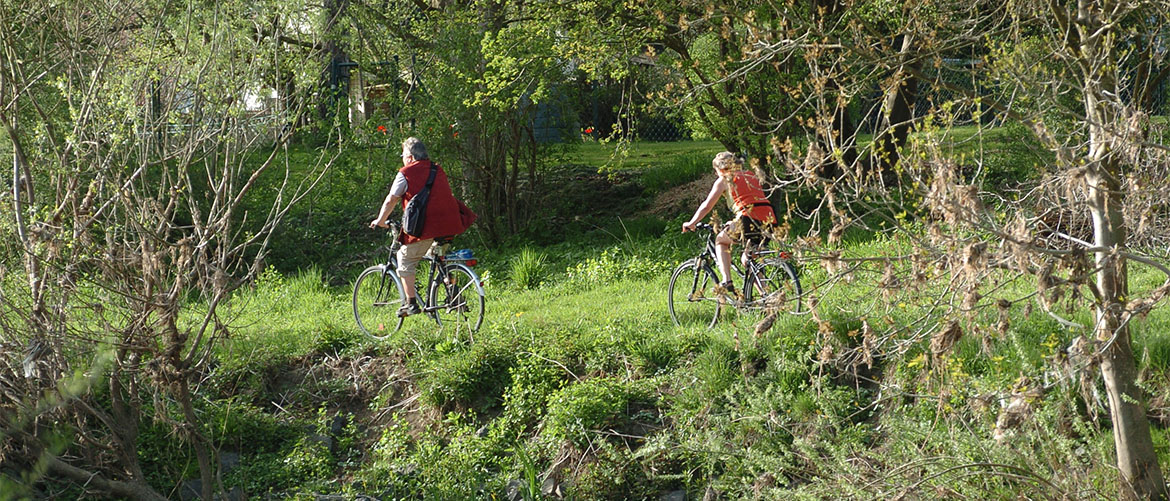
1136 459
330 106
897 111
202 453
23 197
129 490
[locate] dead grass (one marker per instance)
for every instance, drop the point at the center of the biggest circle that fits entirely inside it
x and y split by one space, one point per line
682 199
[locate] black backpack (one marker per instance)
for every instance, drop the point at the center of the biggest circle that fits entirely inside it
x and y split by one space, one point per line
415 214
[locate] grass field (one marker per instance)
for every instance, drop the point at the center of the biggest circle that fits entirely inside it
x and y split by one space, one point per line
579 381
579 386
590 370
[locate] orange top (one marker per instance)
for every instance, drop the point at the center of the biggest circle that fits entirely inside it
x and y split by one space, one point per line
748 198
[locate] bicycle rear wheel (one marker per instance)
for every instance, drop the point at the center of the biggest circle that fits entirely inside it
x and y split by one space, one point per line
458 300
691 294
377 295
774 286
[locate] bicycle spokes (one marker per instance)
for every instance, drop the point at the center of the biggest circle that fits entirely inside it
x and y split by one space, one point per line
376 297
692 294
457 301
775 286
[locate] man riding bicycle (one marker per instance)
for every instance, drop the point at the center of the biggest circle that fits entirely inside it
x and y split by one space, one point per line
753 211
446 216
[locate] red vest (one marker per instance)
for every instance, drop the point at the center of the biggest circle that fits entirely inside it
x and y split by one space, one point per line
442 209
748 198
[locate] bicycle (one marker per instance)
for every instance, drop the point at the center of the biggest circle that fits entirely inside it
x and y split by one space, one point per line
454 292
770 283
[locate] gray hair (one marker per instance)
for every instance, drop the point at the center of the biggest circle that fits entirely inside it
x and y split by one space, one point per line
415 147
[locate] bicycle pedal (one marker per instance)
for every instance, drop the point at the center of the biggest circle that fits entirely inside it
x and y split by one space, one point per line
730 301
733 298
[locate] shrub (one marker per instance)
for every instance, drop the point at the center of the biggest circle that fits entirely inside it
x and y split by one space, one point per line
478 377
578 410
307 462
246 428
286 458
617 263
165 460
533 382
335 339
527 269
614 474
390 467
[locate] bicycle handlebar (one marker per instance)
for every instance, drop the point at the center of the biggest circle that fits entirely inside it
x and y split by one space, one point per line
392 228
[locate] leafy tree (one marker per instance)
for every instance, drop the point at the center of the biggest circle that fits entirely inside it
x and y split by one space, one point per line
469 78
706 53
131 131
1074 75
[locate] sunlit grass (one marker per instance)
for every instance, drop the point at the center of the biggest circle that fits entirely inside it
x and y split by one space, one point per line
582 324
642 154
289 316
280 318
593 312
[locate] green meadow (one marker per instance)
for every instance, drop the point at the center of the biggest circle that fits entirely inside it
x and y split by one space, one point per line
579 386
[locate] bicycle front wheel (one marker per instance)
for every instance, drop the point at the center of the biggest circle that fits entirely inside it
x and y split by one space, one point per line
774 286
457 300
691 295
377 295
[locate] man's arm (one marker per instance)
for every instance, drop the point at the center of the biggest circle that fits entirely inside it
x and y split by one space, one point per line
397 191
384 212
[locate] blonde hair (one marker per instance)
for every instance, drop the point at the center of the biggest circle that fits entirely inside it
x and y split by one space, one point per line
727 163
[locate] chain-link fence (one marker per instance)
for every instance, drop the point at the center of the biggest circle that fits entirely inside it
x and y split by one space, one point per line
958 80
1161 100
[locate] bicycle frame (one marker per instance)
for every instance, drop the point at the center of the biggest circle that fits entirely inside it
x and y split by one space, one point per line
709 257
769 282
440 270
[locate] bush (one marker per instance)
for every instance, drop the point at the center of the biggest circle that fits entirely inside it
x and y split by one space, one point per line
534 381
308 462
527 269
577 411
246 428
614 474
470 379
617 263
335 339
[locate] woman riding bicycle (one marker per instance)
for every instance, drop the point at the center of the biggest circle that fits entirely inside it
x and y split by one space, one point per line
753 211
